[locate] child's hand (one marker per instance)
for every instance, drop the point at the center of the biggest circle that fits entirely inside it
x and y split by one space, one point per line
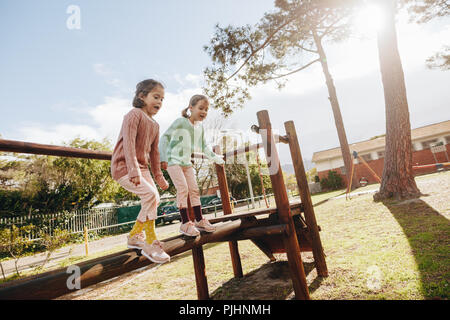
164 166
136 180
162 183
165 187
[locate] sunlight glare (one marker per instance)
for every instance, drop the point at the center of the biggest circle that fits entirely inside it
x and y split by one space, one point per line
369 20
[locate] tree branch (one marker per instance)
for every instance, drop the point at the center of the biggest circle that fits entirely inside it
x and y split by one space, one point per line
261 46
292 72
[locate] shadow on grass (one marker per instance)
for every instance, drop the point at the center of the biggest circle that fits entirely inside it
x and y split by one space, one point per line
428 233
271 281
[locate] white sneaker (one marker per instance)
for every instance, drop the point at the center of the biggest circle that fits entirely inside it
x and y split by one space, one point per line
205 225
155 252
189 229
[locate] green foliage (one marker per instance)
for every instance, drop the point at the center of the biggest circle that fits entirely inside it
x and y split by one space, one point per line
440 60
14 242
238 182
284 42
56 240
47 184
332 182
422 11
311 174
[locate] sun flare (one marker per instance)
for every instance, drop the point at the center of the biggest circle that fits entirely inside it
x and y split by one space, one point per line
369 19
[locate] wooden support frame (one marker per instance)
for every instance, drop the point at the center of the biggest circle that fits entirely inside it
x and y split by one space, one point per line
199 263
226 207
278 233
305 196
284 213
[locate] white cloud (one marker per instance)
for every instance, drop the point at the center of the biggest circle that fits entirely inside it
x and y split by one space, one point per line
108 74
101 69
354 67
103 121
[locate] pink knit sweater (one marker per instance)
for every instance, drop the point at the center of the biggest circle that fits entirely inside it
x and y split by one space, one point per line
137 144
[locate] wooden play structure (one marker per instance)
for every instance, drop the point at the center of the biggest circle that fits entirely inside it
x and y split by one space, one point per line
288 228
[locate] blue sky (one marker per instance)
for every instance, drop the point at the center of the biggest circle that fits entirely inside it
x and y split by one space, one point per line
58 83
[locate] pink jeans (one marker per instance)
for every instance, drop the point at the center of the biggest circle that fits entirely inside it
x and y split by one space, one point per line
184 181
148 193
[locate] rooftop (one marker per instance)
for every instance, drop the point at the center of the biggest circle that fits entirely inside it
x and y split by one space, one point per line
379 142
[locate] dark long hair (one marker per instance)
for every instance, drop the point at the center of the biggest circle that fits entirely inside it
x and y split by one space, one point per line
194 100
144 87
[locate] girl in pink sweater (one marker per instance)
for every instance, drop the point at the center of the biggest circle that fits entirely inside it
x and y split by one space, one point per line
137 144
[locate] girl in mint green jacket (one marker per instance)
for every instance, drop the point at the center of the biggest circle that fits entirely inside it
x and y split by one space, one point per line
184 137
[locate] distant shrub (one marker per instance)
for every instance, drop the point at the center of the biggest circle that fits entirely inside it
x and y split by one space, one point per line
332 182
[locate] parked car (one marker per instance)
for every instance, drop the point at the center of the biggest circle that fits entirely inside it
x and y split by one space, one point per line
217 203
168 214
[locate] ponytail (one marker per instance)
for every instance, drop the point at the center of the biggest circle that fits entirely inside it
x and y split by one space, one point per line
194 100
184 113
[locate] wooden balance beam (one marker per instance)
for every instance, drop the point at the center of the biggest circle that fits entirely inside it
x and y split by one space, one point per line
53 284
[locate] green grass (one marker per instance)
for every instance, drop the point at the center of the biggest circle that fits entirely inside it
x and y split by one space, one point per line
377 251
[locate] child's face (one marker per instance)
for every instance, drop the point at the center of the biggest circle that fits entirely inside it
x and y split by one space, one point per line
153 100
200 110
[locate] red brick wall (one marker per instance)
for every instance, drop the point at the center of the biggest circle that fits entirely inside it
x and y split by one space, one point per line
421 157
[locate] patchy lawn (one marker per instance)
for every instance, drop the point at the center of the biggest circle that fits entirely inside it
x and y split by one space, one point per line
390 250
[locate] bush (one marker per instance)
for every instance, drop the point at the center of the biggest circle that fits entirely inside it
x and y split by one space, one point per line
333 182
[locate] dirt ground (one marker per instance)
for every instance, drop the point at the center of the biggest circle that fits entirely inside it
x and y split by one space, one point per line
263 280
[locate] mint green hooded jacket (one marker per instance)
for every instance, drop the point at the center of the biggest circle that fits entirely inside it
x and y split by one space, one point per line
182 139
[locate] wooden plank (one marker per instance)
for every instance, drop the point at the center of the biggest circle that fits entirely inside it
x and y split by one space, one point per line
261 244
284 213
50 150
305 196
296 208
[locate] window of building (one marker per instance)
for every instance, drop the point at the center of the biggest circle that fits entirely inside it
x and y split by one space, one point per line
343 171
427 144
447 139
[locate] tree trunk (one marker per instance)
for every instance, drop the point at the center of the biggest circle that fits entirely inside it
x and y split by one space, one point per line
345 150
398 178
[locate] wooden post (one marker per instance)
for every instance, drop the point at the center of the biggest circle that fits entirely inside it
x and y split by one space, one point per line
199 263
86 241
284 212
226 207
368 167
200 275
261 179
305 196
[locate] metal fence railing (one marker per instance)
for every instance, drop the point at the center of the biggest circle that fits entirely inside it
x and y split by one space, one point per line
107 219
74 222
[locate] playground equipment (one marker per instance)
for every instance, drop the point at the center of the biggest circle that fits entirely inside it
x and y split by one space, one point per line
356 156
282 229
